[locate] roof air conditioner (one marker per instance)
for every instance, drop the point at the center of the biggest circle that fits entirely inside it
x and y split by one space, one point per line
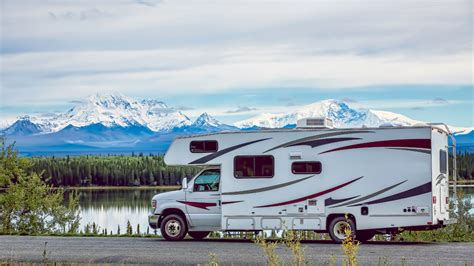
323 122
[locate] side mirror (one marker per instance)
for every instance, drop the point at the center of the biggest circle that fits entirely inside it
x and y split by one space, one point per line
184 183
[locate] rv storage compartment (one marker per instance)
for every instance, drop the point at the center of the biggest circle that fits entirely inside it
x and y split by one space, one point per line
240 223
271 223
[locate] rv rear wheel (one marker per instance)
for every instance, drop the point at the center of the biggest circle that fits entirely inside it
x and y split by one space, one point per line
173 227
198 235
338 226
365 235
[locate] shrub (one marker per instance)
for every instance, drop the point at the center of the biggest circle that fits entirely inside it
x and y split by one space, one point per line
28 205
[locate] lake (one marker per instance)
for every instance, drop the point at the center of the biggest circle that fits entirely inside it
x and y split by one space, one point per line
110 208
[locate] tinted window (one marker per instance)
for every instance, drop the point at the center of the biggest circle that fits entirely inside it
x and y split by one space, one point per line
207 181
443 161
253 166
201 146
306 167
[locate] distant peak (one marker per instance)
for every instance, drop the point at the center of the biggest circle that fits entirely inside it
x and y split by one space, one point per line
205 115
206 119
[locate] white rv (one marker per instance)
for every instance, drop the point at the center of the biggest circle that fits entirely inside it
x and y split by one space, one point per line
384 179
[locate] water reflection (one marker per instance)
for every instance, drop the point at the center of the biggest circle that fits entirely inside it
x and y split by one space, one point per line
113 208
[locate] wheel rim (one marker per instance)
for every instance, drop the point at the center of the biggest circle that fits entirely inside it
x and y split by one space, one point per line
173 227
339 229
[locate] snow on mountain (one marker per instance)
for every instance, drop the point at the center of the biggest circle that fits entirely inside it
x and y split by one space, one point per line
205 123
23 126
341 114
117 110
206 120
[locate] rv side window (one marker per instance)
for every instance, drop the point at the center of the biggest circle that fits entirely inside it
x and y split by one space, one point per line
203 146
443 161
253 166
306 167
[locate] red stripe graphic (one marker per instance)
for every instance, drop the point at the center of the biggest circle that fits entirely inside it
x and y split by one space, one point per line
309 196
406 143
200 205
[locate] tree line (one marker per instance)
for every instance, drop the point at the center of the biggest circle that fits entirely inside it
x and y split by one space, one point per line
141 170
465 165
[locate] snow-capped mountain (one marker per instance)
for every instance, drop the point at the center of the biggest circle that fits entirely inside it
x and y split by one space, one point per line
23 126
117 123
116 110
206 120
205 123
341 114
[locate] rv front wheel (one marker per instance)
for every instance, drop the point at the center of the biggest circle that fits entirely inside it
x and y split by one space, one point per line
198 235
338 228
173 227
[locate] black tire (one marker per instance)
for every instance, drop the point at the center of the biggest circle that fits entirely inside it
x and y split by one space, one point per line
198 235
365 235
173 227
336 228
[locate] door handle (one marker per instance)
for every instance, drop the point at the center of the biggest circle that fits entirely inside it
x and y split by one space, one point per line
219 202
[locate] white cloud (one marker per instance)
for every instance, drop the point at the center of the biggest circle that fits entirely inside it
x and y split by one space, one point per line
54 50
66 75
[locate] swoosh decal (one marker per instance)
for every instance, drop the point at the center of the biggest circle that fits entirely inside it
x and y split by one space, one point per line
266 188
425 188
311 138
321 142
331 201
440 178
310 196
415 150
370 195
200 205
214 155
409 143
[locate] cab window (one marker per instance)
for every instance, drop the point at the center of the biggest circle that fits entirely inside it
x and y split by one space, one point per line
207 181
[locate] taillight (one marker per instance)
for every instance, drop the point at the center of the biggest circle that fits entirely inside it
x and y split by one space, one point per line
434 199
153 204
447 200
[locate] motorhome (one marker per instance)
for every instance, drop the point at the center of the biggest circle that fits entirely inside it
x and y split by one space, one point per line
314 177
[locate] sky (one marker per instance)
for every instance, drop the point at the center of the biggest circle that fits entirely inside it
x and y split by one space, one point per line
236 59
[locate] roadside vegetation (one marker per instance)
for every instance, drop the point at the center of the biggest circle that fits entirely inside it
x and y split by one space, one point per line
28 205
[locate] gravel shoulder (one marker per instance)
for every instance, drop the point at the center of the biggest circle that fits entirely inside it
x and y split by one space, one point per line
237 252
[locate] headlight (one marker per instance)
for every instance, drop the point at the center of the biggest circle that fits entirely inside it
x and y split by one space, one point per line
153 204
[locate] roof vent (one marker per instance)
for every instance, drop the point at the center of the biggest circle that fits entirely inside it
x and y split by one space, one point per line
323 122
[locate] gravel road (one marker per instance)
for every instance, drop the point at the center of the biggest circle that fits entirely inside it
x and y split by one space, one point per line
237 252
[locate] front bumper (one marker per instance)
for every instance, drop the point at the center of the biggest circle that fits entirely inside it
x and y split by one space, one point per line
153 220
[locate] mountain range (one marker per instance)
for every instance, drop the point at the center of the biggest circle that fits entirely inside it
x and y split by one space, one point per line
115 123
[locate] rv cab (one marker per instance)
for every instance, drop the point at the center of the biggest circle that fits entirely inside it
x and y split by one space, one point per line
314 177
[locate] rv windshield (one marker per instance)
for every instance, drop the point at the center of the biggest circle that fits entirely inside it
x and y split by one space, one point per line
207 181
